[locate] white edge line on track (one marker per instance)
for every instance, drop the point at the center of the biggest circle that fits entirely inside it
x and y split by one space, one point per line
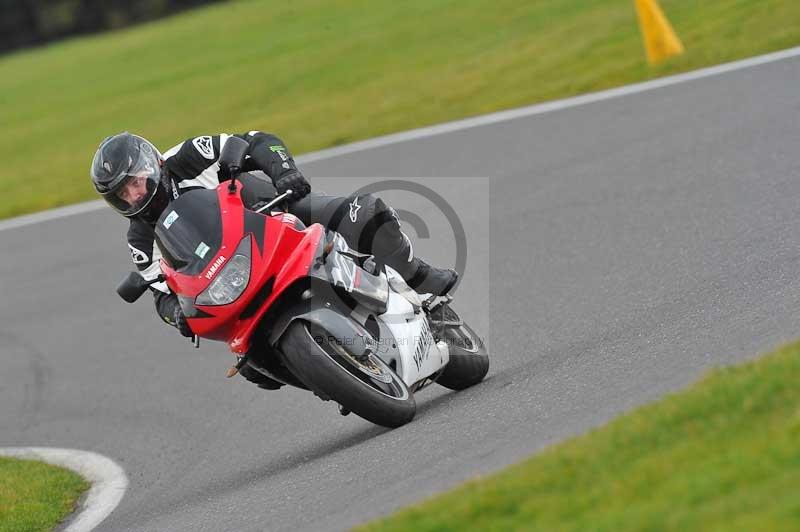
107 478
459 125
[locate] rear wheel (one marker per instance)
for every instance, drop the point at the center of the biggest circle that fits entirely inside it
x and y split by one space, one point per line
469 361
360 383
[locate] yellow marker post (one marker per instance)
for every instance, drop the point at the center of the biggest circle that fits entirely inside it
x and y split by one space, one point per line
660 40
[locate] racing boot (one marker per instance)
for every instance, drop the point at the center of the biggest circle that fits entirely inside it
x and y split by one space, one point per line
431 280
418 274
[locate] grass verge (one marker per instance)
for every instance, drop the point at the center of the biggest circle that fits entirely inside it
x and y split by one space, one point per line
322 73
35 496
721 455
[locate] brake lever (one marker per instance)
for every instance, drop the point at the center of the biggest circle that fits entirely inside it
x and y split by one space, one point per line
278 199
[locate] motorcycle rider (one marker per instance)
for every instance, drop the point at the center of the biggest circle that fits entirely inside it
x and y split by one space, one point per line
138 181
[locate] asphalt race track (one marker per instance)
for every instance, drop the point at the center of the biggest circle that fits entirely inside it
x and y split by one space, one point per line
626 246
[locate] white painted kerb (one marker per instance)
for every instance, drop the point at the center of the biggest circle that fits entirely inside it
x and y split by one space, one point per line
107 478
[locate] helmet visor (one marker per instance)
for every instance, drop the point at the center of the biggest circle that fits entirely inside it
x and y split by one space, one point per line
136 186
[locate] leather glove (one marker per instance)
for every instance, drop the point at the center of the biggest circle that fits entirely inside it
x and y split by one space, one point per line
295 181
181 323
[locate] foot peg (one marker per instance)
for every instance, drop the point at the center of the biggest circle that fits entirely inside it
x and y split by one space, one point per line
233 370
440 316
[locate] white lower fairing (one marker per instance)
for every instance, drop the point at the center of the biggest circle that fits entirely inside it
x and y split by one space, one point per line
419 355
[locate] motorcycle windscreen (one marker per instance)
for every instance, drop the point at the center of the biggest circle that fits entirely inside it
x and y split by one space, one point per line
189 231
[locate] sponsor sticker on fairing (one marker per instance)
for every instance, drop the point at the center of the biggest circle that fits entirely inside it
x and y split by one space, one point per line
201 250
170 219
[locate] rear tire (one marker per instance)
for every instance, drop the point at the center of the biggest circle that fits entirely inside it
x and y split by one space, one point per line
469 361
327 367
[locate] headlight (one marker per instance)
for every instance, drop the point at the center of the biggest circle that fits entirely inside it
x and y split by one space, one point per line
231 280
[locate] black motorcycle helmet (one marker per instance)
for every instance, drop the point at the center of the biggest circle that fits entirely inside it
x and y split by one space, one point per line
126 171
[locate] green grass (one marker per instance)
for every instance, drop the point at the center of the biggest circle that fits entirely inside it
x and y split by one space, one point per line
722 455
326 72
35 496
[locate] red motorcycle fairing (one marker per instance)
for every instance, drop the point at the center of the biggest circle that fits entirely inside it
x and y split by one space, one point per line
280 254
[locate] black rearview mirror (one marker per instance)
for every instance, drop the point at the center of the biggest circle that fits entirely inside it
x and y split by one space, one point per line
232 155
132 287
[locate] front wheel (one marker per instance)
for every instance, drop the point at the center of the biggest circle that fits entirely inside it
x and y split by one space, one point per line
363 384
469 361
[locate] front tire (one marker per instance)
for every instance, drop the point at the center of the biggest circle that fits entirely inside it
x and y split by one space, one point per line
363 385
469 361
257 378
